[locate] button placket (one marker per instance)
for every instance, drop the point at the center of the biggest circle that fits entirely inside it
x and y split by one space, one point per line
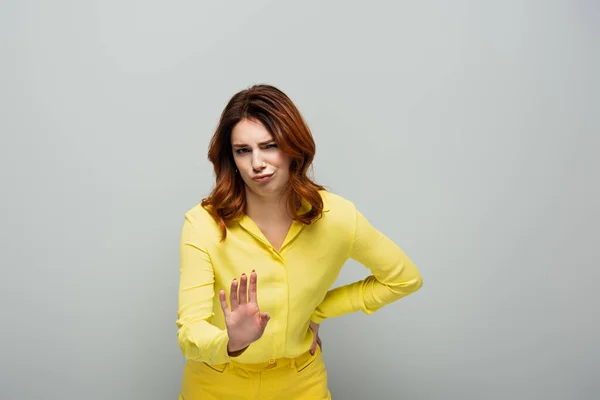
277 255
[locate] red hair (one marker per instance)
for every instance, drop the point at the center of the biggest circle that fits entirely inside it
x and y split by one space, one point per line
278 114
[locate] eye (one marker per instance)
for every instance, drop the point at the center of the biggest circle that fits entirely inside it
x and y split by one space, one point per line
240 151
271 145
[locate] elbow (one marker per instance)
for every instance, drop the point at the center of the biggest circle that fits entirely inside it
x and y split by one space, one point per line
415 282
407 286
418 284
412 285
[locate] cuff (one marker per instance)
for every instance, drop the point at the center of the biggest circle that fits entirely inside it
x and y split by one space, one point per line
220 355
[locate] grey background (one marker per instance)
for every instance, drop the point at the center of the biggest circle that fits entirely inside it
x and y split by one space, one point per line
466 131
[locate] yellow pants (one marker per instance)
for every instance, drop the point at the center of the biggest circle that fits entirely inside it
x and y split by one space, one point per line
300 378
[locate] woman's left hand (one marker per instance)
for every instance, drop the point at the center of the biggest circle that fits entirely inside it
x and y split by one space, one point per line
316 339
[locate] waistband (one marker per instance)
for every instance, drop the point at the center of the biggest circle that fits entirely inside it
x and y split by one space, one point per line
296 362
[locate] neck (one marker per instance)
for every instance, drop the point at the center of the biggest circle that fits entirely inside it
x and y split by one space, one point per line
266 208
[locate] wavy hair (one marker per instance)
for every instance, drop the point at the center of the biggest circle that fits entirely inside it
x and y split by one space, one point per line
278 114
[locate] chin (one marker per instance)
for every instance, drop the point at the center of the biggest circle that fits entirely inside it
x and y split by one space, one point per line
267 190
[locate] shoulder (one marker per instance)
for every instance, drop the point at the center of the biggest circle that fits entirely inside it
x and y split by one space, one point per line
198 214
336 203
202 222
338 208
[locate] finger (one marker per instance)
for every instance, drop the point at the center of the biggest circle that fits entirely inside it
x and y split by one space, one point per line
243 296
233 295
320 343
313 346
223 299
252 294
264 319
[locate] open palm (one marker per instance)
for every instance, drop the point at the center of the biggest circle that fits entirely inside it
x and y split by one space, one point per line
245 323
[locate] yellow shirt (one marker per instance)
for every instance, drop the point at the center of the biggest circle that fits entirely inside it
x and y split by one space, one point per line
293 283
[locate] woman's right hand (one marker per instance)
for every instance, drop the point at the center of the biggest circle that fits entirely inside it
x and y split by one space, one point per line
245 323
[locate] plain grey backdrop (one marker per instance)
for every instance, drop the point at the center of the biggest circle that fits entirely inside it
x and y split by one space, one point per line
466 131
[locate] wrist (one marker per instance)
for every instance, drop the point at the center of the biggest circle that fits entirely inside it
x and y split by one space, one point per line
236 353
236 348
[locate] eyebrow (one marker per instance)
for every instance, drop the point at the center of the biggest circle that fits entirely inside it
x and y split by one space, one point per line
261 143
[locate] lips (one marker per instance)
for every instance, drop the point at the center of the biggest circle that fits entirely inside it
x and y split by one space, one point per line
260 178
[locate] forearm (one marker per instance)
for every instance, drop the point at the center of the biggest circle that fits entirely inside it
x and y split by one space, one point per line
369 294
198 339
372 294
337 302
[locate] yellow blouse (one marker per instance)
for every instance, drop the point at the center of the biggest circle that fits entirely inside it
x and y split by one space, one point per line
293 283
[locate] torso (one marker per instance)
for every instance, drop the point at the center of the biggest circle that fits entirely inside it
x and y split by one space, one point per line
275 232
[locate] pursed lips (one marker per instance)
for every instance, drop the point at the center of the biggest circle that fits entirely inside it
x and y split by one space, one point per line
258 177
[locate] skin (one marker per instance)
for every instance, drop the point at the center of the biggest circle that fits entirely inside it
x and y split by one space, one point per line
255 152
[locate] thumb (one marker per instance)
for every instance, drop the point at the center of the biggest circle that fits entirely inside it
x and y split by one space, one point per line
313 347
264 319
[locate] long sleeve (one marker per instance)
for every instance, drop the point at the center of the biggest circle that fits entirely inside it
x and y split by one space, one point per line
198 339
393 275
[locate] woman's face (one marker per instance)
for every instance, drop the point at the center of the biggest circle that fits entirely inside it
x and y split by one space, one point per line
256 155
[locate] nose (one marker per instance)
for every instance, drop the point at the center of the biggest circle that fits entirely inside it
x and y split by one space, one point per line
257 162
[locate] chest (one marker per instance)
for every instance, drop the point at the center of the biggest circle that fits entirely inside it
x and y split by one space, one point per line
275 233
287 259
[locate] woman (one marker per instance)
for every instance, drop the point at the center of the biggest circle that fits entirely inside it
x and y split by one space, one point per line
276 241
